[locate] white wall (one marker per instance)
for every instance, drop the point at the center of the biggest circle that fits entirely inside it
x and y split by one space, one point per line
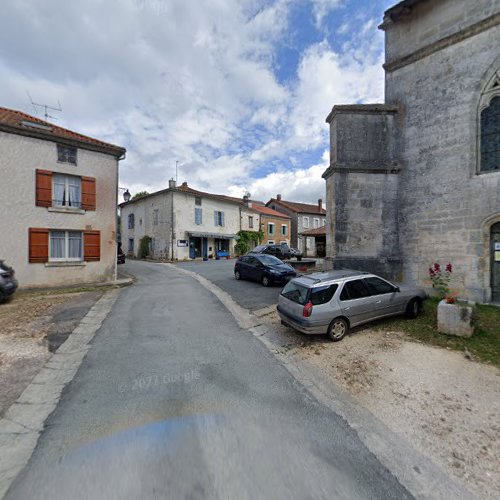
19 158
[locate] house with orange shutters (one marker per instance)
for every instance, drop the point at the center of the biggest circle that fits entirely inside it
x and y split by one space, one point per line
58 195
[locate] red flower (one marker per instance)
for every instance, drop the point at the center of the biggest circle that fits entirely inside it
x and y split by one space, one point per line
431 272
448 268
437 267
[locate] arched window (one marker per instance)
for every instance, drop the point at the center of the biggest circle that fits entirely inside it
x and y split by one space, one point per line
489 123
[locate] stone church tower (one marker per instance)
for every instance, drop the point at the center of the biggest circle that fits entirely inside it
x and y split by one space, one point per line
417 179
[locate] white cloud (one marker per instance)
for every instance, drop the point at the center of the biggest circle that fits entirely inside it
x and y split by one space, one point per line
188 80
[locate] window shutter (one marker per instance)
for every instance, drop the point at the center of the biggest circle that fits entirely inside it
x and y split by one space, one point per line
222 219
38 245
91 245
216 221
88 193
43 188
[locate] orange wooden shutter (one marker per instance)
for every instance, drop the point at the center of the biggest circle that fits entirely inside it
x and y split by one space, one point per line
38 245
88 193
43 188
91 245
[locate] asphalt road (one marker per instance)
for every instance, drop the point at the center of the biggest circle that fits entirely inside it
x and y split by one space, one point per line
248 294
174 400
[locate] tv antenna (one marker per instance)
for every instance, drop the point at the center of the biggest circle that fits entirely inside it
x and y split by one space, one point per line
46 108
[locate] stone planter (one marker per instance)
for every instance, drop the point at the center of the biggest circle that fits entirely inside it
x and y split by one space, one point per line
455 319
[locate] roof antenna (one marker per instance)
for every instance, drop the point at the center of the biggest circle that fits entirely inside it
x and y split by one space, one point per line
46 107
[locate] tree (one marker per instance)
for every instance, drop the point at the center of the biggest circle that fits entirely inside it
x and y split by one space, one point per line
140 194
246 240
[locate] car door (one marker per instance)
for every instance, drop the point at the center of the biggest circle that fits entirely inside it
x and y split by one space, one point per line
355 301
253 271
385 297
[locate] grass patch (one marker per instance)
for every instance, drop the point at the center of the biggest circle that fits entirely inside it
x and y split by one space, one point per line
484 344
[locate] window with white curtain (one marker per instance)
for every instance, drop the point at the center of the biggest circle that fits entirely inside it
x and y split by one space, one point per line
66 245
66 190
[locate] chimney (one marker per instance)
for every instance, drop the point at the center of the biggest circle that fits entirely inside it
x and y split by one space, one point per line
171 184
278 197
184 184
245 200
320 205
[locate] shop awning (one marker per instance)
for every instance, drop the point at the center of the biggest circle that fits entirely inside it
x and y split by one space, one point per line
218 236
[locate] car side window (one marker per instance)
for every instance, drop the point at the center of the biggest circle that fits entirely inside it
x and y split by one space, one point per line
244 259
252 261
376 286
323 294
354 289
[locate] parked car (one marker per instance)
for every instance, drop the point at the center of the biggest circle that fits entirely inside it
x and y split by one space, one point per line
275 250
120 256
296 253
264 268
335 301
8 284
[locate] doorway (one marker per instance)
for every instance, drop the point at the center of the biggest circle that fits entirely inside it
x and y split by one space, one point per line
495 263
194 247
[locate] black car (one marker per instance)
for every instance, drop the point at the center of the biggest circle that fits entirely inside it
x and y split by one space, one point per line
264 268
8 284
276 250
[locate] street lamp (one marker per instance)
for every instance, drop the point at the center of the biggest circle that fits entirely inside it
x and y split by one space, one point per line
126 196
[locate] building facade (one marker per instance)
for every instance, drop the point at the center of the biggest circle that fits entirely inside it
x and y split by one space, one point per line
303 217
184 223
417 179
275 226
57 203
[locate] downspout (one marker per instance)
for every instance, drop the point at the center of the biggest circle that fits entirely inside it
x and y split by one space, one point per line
122 157
172 226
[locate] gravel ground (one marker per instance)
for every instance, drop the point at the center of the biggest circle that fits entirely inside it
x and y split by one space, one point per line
447 406
27 322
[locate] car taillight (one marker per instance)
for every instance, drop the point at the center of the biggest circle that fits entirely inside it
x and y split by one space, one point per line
308 309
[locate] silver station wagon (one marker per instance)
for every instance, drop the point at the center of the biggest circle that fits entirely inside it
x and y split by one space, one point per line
335 301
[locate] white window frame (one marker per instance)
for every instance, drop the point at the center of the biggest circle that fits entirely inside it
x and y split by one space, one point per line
270 242
284 230
156 215
324 222
66 246
305 222
250 221
270 228
65 203
316 222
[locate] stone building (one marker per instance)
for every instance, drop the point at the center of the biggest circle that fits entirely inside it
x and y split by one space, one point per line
417 179
275 226
58 194
303 217
184 223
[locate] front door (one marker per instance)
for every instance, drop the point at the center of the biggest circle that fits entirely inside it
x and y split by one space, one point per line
205 248
495 263
194 247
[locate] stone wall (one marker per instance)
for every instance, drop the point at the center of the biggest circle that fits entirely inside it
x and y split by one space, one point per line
444 203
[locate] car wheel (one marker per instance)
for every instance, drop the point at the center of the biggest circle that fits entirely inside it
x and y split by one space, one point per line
237 275
413 308
338 329
265 280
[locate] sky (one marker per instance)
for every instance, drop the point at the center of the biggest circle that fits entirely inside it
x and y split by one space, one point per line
235 91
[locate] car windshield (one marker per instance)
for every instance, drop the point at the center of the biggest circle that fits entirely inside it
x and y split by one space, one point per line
259 248
295 292
269 260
